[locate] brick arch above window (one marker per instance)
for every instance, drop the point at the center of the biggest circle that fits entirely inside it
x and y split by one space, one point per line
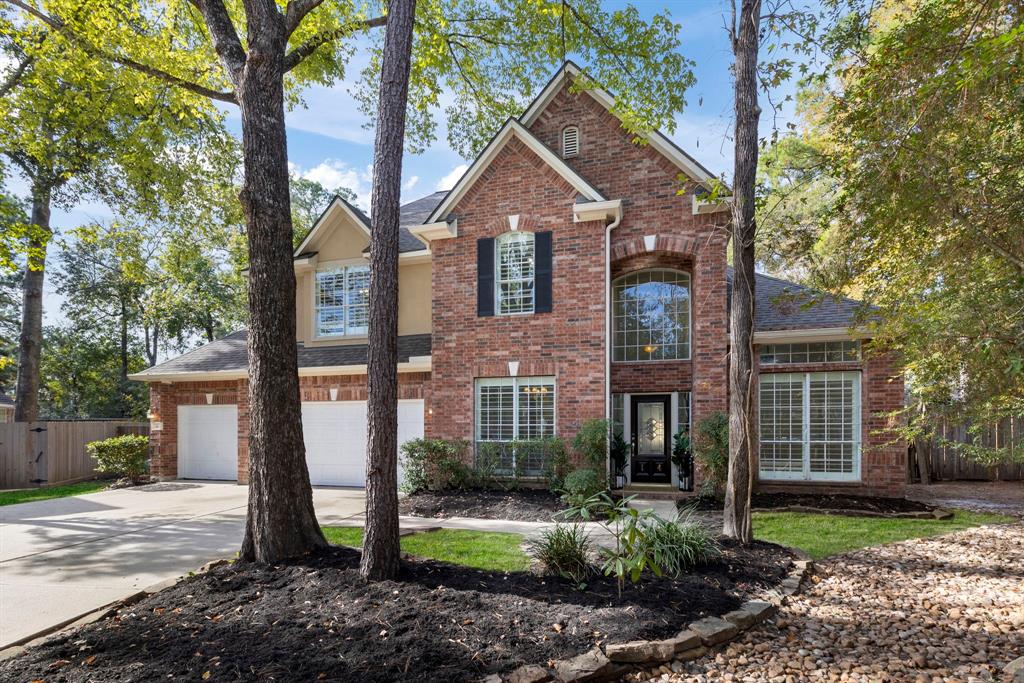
678 245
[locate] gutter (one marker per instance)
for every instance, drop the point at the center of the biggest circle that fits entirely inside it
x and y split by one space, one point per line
414 364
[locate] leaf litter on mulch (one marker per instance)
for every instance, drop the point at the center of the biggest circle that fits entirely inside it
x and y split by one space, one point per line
317 620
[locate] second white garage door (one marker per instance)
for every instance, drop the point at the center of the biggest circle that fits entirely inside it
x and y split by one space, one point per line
335 435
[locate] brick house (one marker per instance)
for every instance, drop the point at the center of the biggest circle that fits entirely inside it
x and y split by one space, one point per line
569 275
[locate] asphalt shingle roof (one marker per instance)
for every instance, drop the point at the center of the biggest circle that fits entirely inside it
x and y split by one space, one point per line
412 214
230 353
782 305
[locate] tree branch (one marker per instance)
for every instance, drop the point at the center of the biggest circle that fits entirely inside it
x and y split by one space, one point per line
295 57
296 12
15 77
224 36
64 30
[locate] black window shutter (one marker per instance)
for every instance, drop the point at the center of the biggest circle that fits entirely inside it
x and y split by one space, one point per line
542 272
485 276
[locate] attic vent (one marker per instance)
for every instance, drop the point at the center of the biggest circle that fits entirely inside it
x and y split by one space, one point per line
570 141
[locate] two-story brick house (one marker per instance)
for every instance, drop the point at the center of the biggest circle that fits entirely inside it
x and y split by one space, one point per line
570 274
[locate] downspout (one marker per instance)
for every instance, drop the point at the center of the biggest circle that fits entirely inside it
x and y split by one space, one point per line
608 329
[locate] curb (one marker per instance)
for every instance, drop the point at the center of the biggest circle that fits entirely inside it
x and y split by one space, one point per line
652 658
15 648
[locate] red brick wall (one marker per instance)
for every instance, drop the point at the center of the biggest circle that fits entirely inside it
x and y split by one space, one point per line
567 343
165 399
649 186
883 457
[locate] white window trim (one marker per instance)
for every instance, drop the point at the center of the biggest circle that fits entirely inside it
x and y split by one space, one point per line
515 383
689 325
497 274
806 474
314 298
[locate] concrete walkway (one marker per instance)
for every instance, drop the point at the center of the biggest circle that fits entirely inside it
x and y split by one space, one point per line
64 557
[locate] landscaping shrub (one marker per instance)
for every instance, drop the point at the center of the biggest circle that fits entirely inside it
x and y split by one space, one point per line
435 464
564 551
711 450
556 463
618 450
124 456
591 443
581 485
678 543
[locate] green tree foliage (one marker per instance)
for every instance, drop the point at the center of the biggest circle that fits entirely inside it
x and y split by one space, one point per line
924 130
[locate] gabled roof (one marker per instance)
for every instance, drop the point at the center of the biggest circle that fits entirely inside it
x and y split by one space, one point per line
406 242
658 140
512 129
230 355
781 305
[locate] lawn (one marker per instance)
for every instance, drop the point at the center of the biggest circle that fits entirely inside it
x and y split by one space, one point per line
29 495
477 549
823 535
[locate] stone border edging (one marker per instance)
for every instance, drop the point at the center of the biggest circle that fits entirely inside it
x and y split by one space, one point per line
16 647
937 513
616 660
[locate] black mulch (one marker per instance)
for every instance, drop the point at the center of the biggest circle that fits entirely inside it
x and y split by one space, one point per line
820 502
523 505
318 621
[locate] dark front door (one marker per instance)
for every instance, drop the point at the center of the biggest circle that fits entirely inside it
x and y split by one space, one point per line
651 425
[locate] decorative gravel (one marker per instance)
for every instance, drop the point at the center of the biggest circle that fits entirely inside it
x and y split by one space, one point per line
942 609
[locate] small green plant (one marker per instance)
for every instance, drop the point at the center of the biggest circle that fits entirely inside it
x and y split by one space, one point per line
682 456
435 465
124 456
556 463
581 485
711 450
678 543
564 551
631 555
591 443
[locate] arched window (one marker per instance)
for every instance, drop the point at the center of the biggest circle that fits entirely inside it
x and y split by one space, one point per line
570 141
651 316
515 276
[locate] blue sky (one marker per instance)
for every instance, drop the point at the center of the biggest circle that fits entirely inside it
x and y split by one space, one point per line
327 141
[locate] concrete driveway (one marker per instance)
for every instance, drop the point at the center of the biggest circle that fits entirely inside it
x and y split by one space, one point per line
64 557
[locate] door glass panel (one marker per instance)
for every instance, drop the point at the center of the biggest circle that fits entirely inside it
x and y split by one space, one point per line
651 428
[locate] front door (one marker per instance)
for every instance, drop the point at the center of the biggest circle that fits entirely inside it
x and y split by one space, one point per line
651 427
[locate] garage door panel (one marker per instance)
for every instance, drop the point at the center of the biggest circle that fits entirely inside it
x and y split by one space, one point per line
335 437
208 442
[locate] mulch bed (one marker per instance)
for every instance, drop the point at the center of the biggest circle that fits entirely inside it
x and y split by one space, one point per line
523 505
769 501
317 620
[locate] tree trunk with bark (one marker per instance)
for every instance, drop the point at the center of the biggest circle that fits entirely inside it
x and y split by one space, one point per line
30 340
742 406
281 522
380 558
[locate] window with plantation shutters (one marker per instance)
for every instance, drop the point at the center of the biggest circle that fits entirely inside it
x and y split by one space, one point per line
570 141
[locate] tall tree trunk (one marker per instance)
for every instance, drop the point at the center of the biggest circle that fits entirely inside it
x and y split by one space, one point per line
30 341
124 360
380 541
742 418
281 522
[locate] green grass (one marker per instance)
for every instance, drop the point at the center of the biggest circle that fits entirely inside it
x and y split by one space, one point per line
28 495
478 549
823 535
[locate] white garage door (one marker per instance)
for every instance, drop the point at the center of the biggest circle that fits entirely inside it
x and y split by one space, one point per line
208 442
335 435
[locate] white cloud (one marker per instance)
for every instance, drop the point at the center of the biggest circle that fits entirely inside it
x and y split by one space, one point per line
334 173
448 182
411 182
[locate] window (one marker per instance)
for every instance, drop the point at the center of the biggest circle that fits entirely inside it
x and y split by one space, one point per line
512 409
342 301
817 352
619 415
651 316
683 412
570 141
810 426
515 257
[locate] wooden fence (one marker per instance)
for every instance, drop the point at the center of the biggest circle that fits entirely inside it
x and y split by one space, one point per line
47 453
944 462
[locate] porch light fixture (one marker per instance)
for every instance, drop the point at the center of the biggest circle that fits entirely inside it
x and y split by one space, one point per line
334 393
209 399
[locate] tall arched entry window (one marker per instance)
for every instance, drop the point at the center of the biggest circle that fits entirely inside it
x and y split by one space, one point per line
651 310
